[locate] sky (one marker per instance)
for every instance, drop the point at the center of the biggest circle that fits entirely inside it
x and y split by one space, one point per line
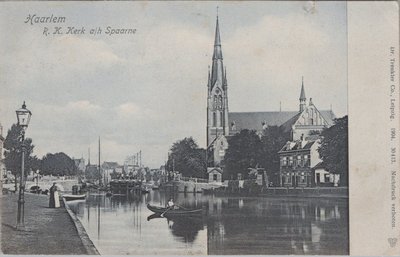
147 90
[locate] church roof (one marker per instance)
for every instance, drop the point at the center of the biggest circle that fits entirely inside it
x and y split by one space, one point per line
255 120
329 116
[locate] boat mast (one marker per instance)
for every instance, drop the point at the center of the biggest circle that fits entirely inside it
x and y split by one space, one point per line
99 164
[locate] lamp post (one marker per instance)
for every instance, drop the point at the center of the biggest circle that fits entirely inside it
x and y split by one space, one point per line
37 181
23 117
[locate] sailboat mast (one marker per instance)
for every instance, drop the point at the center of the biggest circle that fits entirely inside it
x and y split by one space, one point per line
99 164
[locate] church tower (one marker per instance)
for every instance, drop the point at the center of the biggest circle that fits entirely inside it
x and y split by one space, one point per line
217 100
302 96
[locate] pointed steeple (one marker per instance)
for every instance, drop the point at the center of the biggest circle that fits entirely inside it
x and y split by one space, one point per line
217 73
302 93
209 78
225 80
302 96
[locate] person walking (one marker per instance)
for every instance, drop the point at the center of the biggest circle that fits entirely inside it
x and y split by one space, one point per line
56 198
52 203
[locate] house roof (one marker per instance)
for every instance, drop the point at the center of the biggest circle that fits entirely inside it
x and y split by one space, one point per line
214 169
109 165
320 165
297 146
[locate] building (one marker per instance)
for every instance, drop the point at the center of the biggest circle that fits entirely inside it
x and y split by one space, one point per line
323 177
301 166
297 158
108 168
221 124
80 165
217 103
214 175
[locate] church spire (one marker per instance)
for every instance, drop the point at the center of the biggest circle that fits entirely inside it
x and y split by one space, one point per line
225 80
302 93
217 73
302 96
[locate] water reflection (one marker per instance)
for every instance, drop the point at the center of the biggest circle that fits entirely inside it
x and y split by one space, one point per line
123 225
184 228
277 226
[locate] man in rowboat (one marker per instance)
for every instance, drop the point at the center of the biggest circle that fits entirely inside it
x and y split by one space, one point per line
171 204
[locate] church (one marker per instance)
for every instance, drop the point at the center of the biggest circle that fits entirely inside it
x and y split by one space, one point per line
221 124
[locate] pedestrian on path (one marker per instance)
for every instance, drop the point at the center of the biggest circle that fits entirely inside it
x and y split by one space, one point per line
56 198
53 188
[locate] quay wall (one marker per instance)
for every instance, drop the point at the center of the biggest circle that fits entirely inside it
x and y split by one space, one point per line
87 242
193 187
337 192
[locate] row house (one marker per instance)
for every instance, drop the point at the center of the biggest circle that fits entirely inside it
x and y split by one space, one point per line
297 159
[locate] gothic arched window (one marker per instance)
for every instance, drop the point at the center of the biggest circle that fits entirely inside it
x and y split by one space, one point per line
219 106
214 119
221 121
217 102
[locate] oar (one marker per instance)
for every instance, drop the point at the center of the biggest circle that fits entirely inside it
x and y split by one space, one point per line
181 207
162 214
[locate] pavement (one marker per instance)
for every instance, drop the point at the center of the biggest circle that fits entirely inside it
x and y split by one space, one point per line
47 230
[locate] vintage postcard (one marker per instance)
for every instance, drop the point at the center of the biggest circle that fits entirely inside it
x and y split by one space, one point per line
199 128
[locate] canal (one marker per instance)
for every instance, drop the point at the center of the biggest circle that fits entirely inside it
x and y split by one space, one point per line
120 225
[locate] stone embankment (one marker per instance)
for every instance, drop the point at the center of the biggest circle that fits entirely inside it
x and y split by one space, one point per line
47 230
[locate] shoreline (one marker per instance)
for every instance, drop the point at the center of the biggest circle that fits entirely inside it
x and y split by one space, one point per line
48 231
87 242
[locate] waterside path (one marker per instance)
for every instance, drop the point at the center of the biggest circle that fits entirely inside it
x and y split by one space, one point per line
47 230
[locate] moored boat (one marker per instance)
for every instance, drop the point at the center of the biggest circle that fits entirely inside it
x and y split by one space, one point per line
73 197
173 211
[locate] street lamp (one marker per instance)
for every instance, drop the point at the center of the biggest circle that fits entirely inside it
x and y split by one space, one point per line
37 181
23 117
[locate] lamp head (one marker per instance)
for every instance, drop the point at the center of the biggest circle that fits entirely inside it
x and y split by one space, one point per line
23 116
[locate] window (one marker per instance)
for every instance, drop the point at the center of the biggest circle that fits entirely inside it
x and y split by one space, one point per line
327 178
299 160
219 106
214 119
306 161
215 177
302 179
220 119
284 161
291 161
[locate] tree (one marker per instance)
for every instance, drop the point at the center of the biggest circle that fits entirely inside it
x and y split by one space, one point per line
334 149
244 151
273 139
13 153
187 158
58 164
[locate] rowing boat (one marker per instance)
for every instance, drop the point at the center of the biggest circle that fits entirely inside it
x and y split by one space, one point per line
179 211
73 197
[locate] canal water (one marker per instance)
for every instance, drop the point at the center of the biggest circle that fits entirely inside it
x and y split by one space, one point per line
120 225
